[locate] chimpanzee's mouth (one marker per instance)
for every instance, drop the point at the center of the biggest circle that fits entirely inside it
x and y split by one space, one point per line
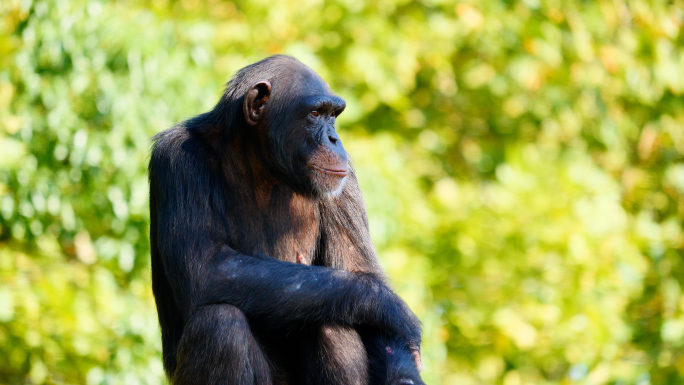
337 171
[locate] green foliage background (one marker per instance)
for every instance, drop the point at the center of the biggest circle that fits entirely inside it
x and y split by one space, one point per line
522 162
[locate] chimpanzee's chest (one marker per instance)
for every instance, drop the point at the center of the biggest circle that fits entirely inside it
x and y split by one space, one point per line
285 229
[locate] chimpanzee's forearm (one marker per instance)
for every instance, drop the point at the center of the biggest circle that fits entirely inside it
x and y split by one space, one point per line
291 295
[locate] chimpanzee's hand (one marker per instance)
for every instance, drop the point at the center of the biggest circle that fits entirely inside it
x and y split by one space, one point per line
406 324
393 315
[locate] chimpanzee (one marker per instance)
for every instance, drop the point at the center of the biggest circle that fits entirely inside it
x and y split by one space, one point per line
263 268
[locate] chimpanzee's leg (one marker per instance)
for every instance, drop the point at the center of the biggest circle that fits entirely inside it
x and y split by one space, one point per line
217 347
337 355
332 355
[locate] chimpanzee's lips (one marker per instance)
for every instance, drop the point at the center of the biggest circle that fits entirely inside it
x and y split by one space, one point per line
340 171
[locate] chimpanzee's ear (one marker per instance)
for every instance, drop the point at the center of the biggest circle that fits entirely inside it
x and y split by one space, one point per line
255 101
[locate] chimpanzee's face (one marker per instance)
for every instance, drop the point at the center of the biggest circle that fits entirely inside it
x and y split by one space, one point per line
299 124
326 160
318 160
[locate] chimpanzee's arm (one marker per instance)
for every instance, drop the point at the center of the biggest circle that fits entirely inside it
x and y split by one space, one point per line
348 245
188 202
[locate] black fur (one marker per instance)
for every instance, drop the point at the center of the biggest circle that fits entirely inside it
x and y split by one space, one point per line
262 266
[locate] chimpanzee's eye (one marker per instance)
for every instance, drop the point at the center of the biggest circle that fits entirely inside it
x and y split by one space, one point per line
314 113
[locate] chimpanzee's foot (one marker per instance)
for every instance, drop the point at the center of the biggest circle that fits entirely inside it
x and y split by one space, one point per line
393 363
402 367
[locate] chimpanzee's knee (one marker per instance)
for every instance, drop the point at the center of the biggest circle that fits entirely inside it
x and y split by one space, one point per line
218 347
334 355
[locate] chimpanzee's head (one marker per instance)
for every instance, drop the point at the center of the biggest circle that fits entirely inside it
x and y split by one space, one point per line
293 112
